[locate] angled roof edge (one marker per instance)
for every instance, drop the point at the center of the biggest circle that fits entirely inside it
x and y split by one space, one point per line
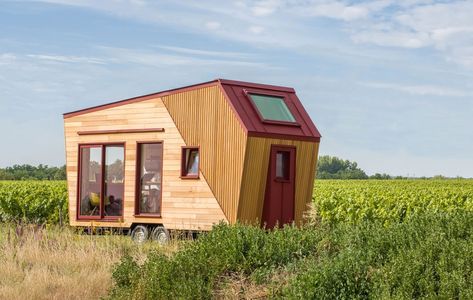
138 98
170 91
314 135
257 85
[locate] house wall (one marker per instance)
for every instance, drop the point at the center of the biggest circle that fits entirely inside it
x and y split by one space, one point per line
204 118
256 171
186 204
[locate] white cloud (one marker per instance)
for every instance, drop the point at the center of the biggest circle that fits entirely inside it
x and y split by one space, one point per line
265 8
212 25
420 90
7 58
155 58
393 38
256 29
68 59
338 10
206 52
445 27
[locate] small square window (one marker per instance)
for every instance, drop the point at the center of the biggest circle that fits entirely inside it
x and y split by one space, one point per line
190 162
272 108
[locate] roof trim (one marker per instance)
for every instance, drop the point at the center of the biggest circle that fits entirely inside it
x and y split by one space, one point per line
138 99
282 136
257 85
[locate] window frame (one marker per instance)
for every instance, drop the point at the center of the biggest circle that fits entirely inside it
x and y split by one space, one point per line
184 174
137 180
100 216
291 167
249 92
286 165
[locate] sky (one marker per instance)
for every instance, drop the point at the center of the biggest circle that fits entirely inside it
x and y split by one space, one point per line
389 84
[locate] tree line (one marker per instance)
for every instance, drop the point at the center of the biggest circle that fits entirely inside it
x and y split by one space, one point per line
328 167
332 167
29 172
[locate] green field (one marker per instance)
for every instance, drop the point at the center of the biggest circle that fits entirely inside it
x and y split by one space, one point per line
389 201
393 239
33 201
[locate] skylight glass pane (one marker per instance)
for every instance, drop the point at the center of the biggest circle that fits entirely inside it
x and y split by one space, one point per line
272 108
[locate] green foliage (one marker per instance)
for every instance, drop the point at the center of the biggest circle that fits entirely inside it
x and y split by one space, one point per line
331 167
192 273
389 201
126 271
402 239
429 256
33 201
28 172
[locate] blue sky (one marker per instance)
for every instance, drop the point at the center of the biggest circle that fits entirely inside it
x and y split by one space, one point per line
388 83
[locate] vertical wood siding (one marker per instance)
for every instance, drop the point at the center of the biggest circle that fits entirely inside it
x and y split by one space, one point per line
186 204
256 170
204 118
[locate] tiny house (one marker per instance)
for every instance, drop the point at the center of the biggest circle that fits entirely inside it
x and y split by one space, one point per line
191 157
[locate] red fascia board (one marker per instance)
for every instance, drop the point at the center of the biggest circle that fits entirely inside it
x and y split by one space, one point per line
138 99
270 135
257 85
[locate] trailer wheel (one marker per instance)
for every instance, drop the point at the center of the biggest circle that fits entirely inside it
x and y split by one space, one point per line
160 235
139 234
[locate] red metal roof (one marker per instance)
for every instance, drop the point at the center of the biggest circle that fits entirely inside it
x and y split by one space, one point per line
236 94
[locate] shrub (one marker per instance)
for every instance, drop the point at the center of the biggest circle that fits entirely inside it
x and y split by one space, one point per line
428 256
192 273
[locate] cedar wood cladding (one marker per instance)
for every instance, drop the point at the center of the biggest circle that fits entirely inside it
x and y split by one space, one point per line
256 170
234 151
204 118
186 204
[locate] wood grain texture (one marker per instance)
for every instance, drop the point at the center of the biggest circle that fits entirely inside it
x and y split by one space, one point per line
256 170
187 204
205 119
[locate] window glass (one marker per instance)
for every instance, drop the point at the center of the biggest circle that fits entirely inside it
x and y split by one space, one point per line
96 177
91 180
190 162
150 167
282 165
272 108
193 162
114 183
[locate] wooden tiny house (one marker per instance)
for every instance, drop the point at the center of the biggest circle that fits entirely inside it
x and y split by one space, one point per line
191 157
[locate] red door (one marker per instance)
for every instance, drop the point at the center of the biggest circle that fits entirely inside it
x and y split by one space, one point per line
280 187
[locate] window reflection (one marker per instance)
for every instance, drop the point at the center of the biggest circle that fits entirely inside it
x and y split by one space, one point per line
150 178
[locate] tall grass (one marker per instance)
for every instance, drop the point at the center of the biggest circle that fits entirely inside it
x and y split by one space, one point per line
60 263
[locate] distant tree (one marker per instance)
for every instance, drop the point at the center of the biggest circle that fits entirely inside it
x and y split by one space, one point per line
331 167
381 176
29 172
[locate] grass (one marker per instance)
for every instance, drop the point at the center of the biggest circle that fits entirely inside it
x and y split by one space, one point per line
59 263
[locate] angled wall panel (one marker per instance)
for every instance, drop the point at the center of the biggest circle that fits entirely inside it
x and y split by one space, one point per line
205 119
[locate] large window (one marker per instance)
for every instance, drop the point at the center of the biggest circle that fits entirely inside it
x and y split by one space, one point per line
101 181
149 185
190 162
272 108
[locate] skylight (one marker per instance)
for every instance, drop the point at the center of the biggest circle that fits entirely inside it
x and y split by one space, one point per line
272 108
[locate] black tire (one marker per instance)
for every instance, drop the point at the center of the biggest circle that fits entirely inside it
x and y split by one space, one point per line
160 235
139 234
